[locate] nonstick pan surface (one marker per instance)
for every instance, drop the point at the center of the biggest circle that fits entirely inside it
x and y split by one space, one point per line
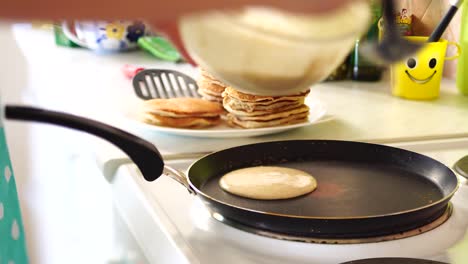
363 189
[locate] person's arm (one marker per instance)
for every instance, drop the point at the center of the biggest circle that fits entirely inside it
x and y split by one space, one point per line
161 14
153 10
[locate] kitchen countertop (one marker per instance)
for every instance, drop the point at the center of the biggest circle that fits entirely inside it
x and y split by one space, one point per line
90 84
362 112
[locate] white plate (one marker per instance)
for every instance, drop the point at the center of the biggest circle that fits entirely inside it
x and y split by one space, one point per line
317 115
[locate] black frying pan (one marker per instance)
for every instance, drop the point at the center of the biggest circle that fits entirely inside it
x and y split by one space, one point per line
393 261
364 190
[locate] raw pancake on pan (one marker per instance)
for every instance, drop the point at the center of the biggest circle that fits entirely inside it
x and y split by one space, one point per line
268 182
253 111
210 88
182 112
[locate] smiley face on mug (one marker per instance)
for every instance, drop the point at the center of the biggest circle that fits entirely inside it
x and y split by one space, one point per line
421 70
419 76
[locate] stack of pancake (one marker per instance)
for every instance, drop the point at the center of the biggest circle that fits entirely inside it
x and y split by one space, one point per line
182 112
254 111
210 88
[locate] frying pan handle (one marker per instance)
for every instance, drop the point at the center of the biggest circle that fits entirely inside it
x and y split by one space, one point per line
178 176
109 168
141 152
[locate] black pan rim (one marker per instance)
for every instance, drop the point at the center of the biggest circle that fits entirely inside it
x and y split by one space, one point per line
443 200
305 239
373 260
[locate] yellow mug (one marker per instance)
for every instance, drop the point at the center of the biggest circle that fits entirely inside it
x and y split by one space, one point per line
418 77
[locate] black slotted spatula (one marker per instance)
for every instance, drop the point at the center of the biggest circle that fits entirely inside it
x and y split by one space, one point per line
164 84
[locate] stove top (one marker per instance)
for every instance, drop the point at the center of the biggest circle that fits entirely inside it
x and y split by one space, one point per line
400 235
172 226
196 237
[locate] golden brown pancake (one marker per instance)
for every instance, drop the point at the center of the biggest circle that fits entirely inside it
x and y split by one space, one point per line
253 111
290 120
275 115
183 107
210 95
210 92
182 122
229 91
209 77
182 112
209 88
264 110
268 183
211 98
235 104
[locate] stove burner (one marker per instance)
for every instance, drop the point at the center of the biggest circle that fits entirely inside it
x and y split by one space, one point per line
438 222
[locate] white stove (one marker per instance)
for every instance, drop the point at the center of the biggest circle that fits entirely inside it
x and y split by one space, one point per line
172 226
